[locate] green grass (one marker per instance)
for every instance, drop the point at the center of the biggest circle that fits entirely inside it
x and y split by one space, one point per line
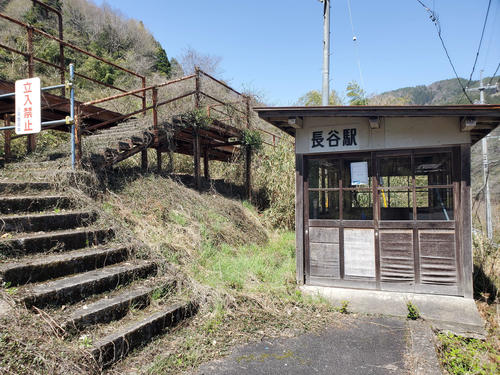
250 268
460 355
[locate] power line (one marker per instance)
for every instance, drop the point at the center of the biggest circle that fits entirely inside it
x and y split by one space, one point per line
435 20
494 74
355 39
493 21
480 42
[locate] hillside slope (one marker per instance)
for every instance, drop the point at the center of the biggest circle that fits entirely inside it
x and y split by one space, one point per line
447 91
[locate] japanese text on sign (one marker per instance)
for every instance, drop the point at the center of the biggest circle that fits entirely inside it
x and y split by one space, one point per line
337 139
28 119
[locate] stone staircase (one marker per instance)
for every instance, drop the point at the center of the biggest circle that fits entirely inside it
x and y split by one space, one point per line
62 261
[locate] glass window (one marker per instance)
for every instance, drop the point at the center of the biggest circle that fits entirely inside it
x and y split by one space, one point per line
395 171
434 204
358 205
396 204
324 205
433 169
324 173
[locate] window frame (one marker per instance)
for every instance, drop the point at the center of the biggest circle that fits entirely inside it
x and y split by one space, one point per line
373 158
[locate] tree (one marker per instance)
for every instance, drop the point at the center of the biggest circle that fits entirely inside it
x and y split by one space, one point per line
313 98
389 99
355 94
208 63
162 65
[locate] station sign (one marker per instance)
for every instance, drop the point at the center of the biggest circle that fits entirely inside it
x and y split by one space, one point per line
28 112
337 138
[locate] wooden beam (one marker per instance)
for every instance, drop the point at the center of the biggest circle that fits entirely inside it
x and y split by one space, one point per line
206 160
467 124
466 212
299 218
158 160
248 173
196 158
295 122
144 159
7 139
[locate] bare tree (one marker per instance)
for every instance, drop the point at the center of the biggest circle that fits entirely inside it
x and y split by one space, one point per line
208 63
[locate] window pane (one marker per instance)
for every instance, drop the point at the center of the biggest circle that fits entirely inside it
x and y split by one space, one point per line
434 204
433 169
323 205
357 172
358 205
324 173
395 171
396 204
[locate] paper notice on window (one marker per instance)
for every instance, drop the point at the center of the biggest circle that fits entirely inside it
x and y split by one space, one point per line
359 173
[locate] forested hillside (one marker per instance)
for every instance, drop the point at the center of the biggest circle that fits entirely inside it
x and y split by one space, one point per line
100 30
447 91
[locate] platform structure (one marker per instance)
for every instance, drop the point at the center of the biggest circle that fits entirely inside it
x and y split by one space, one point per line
159 109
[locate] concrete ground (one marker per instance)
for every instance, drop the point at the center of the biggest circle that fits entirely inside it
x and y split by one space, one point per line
445 313
383 342
365 345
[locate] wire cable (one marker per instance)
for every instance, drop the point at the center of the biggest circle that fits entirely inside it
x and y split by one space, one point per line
354 38
493 22
480 42
494 75
435 20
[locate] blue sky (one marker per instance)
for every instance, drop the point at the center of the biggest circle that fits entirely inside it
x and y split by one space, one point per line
274 47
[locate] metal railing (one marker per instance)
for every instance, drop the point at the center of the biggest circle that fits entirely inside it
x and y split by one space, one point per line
238 110
69 120
32 58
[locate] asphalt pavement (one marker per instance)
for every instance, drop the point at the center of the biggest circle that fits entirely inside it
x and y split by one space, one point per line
362 346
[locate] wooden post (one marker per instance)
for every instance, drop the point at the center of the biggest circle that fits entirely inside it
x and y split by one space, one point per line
155 116
196 157
143 79
144 159
248 173
158 160
466 230
7 139
31 139
299 217
206 159
197 87
196 136
248 159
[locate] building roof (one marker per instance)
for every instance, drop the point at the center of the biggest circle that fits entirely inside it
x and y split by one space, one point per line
487 116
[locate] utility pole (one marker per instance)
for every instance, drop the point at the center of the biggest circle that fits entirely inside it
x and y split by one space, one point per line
326 52
484 143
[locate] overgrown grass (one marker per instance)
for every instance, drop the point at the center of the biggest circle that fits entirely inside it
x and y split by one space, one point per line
242 274
250 268
468 356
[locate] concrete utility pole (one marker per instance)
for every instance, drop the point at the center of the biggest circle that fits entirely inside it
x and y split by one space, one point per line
326 52
486 185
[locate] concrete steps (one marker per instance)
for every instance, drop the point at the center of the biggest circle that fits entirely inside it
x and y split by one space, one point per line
60 240
72 289
33 203
117 345
42 268
12 186
46 222
54 256
113 308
